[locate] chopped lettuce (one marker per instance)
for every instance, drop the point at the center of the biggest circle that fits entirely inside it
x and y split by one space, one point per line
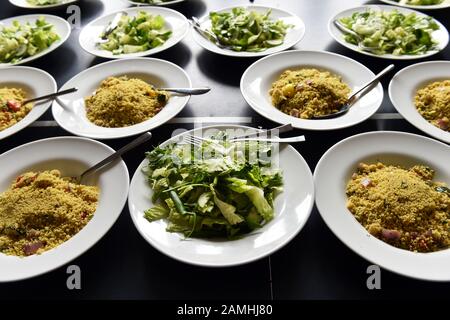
215 190
391 32
136 34
19 41
43 2
245 30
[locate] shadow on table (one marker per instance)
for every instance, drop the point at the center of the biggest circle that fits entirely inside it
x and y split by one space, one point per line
227 70
190 8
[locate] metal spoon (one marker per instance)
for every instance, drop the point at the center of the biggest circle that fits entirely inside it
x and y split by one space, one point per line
344 109
133 144
48 96
187 91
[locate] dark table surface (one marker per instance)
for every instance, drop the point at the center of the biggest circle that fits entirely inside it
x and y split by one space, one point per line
314 265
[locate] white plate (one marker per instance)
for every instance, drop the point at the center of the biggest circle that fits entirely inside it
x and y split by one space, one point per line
165 3
175 22
293 35
292 209
70 113
61 27
26 5
444 4
34 82
440 35
335 169
403 88
258 78
71 155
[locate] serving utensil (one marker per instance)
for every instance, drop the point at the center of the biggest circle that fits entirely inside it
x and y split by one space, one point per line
359 39
133 144
44 97
344 109
187 91
111 26
207 34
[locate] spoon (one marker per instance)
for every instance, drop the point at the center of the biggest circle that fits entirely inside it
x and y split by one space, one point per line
133 144
16 105
187 91
344 109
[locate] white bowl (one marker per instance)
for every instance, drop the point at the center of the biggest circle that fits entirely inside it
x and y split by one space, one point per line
26 5
258 78
71 155
440 35
293 35
444 4
70 113
61 27
403 88
292 209
175 22
34 82
335 169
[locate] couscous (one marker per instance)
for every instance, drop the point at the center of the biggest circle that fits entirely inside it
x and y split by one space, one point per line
433 103
122 102
41 210
402 207
305 93
11 110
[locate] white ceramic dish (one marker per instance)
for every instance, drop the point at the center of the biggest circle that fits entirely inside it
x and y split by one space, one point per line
61 27
70 113
335 169
292 209
443 5
175 22
26 5
34 82
440 35
164 3
403 88
293 35
258 78
71 155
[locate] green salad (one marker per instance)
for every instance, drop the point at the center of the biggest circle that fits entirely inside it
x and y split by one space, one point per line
391 32
20 41
151 1
420 2
135 34
43 2
224 194
245 30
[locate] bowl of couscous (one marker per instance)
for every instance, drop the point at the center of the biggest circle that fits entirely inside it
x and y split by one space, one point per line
47 218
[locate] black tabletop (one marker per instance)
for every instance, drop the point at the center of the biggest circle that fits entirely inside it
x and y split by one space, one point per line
314 265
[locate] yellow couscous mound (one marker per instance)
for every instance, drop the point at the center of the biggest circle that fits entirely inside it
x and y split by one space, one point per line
122 102
11 111
402 207
41 210
433 103
305 93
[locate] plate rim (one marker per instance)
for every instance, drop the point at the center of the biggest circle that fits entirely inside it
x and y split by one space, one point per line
118 136
165 3
400 110
236 54
418 7
54 85
50 49
244 261
140 54
103 233
343 43
261 112
352 247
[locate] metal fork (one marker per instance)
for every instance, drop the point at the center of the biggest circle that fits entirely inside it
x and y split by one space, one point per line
110 27
344 29
197 141
208 35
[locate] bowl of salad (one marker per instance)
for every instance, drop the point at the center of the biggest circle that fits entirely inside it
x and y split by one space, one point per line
389 32
26 38
154 2
41 4
136 32
248 31
420 4
222 203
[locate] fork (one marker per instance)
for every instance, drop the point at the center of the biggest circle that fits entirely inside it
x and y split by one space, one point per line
197 141
344 29
110 27
208 35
